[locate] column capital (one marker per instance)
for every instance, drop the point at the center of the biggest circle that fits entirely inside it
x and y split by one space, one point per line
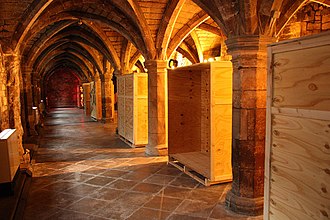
149 64
248 43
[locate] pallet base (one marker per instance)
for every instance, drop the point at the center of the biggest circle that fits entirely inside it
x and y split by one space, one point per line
193 174
130 143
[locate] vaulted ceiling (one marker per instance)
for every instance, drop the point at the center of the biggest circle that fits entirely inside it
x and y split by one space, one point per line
89 35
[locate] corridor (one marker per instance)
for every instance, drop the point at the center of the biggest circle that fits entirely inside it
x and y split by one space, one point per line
82 170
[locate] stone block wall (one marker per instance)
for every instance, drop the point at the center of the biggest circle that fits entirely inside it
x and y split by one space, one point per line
311 19
62 89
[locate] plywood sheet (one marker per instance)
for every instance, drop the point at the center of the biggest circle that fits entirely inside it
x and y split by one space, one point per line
301 78
133 111
200 117
184 110
141 117
299 177
142 85
121 115
9 155
129 119
129 85
198 161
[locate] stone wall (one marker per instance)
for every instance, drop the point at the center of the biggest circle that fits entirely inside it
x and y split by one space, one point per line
62 89
311 19
4 118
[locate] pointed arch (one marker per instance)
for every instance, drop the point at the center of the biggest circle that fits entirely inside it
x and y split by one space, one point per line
165 30
186 30
144 28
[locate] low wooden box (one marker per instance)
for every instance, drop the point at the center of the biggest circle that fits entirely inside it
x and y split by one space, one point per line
9 155
133 108
200 121
297 164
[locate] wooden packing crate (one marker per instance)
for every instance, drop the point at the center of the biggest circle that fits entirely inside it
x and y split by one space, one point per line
133 108
9 155
87 98
200 121
297 163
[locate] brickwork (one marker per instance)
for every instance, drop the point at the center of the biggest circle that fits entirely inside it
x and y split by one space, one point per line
249 57
311 19
62 89
157 107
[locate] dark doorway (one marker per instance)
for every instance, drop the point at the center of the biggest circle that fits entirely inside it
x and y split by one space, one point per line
62 89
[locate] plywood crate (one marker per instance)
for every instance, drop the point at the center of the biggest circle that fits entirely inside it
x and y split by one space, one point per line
87 98
297 164
9 155
133 108
200 121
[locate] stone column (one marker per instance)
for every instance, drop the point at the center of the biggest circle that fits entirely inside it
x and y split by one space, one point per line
157 107
107 97
4 113
28 102
249 57
14 87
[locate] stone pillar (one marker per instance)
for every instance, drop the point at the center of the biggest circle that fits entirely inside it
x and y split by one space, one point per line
157 107
4 113
28 102
14 87
107 97
249 57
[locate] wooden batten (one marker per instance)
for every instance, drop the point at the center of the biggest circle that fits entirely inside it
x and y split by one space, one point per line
133 109
298 129
200 120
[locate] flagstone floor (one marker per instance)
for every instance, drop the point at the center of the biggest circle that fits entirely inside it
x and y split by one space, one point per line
82 170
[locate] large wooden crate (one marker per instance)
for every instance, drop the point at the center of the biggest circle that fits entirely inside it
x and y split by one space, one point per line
9 155
297 165
200 121
87 98
133 108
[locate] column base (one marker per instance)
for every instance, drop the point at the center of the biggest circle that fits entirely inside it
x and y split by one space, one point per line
158 150
244 205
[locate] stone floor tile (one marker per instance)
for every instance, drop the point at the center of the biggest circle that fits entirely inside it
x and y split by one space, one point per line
184 182
82 170
176 192
88 205
204 196
116 211
184 217
122 184
100 181
163 203
134 198
136 176
94 170
60 186
78 177
147 187
220 212
150 214
82 189
38 212
107 194
160 179
194 208
68 214
169 170
114 173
